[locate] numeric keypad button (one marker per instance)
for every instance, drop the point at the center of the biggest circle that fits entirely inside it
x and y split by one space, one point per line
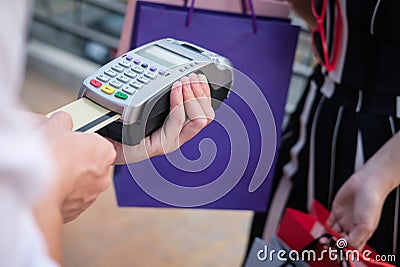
111 73
103 78
130 74
136 85
123 79
118 68
116 84
143 80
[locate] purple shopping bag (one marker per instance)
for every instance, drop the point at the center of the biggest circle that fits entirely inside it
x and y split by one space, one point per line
229 164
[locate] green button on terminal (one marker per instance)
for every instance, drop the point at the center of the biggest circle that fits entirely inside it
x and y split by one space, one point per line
121 95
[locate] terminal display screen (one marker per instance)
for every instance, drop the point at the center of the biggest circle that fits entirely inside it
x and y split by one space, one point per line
163 56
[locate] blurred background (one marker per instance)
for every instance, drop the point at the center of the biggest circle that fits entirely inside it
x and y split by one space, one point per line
68 40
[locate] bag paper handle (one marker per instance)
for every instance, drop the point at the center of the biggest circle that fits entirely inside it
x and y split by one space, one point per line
244 9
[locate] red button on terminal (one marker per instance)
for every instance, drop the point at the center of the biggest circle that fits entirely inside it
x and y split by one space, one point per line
95 83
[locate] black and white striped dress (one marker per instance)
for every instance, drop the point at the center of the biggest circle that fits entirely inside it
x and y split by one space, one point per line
345 116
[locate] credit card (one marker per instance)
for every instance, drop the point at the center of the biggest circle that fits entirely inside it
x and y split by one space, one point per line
87 116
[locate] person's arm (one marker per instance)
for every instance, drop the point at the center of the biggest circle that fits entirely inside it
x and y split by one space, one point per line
83 160
82 163
357 206
49 219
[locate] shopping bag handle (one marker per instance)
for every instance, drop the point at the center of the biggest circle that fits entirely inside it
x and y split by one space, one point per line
244 9
244 6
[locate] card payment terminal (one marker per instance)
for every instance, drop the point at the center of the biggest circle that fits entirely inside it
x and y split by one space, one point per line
128 98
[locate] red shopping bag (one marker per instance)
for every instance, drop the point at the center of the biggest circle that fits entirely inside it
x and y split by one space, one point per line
305 232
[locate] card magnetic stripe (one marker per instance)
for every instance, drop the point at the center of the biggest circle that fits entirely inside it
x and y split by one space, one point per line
92 124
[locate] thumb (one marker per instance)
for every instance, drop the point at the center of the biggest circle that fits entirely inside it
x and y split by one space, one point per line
331 219
59 122
358 237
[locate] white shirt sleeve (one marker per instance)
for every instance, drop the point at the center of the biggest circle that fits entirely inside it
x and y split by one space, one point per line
25 164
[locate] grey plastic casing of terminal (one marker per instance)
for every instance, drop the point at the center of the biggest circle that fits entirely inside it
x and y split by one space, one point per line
146 110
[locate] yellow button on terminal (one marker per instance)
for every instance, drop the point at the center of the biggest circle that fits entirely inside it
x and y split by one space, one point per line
107 89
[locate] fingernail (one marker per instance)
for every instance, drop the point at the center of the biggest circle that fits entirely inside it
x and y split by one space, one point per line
185 80
202 77
176 85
